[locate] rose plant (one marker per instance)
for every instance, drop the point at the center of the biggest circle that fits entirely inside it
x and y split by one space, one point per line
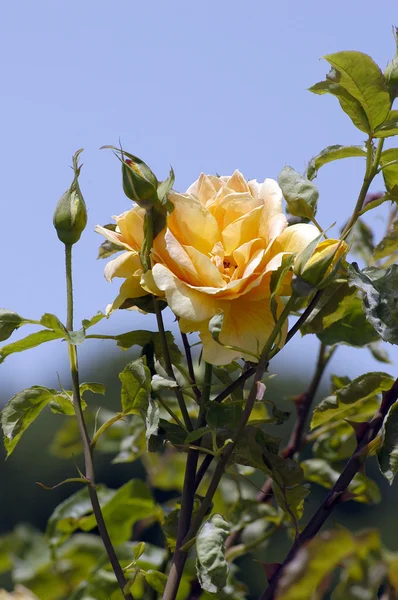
241 278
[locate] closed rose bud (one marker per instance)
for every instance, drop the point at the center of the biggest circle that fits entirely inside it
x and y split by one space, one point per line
70 215
391 72
323 263
139 183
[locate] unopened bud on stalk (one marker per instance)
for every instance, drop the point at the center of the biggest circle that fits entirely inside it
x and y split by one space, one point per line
391 72
139 183
317 270
70 215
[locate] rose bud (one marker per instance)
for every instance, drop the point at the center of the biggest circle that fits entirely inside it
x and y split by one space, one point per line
70 215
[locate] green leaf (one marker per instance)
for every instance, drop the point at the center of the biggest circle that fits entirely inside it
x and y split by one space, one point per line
62 404
121 509
361 239
361 77
66 517
21 411
87 323
108 248
156 580
362 488
352 330
389 127
278 277
339 319
9 322
388 245
142 337
313 562
362 575
380 300
133 444
379 353
348 103
301 194
330 154
223 415
390 172
136 387
212 568
164 187
31 341
387 455
196 434
259 450
365 386
52 322
151 421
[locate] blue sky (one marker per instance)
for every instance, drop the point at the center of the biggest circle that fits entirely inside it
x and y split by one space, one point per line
204 86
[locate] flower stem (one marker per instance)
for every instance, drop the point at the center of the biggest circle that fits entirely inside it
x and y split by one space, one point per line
87 449
176 570
372 166
188 496
191 371
169 367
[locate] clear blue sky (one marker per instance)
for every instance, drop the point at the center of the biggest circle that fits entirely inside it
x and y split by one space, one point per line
205 86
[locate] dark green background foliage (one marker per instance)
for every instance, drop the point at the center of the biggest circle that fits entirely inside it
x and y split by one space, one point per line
23 501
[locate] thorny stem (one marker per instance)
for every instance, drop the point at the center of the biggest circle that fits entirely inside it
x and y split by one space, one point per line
87 449
188 495
175 576
370 173
191 371
169 366
336 494
303 405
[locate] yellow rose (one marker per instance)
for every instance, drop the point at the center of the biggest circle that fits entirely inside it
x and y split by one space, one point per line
129 235
223 240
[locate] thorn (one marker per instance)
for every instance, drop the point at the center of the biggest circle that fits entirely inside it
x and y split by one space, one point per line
271 569
360 428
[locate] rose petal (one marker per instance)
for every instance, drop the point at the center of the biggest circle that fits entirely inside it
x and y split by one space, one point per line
124 265
184 301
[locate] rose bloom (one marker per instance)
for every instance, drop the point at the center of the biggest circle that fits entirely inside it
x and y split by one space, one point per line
222 242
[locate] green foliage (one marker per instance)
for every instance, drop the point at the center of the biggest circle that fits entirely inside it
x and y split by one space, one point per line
300 193
121 509
389 165
361 489
388 245
339 319
21 411
390 126
330 154
31 341
380 288
136 387
363 387
210 548
9 322
360 87
142 338
388 453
